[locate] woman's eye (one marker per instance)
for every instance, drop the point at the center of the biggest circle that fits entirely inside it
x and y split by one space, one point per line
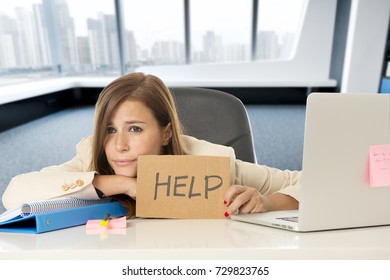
110 130
135 129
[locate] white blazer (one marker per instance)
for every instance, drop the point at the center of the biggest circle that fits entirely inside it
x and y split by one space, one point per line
74 178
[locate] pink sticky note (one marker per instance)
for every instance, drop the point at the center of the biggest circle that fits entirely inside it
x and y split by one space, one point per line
112 223
104 232
379 165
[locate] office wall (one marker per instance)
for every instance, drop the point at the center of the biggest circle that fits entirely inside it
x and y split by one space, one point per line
366 41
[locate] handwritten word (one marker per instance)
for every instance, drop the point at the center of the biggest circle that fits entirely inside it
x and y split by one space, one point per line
211 183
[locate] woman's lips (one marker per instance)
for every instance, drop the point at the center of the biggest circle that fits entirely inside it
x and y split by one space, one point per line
124 162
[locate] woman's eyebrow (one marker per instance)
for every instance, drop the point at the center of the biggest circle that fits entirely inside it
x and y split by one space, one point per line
134 121
128 122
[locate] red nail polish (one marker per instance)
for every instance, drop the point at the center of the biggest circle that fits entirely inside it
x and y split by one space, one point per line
225 202
226 214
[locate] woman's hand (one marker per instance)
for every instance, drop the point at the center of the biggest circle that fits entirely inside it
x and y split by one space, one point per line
131 186
245 199
249 200
116 184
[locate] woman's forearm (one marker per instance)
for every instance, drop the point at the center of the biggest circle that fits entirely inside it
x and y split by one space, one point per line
279 201
115 184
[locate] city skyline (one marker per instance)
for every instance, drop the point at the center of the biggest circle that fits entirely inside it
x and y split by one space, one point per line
27 42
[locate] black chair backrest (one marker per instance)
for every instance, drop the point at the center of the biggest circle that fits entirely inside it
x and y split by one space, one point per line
217 117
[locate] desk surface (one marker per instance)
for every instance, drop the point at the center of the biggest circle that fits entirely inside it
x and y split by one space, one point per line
197 239
28 89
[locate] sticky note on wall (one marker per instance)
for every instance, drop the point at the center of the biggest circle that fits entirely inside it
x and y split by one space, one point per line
379 165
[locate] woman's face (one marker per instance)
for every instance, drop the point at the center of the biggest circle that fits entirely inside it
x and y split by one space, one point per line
132 130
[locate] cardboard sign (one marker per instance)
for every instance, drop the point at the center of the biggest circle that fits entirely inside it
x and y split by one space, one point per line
185 187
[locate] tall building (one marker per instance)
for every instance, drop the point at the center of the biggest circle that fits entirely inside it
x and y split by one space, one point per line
131 49
96 43
268 46
84 54
236 52
212 47
103 42
111 39
287 45
168 52
41 33
62 33
8 47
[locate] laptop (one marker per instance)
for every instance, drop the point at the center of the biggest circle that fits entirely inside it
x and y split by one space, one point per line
345 178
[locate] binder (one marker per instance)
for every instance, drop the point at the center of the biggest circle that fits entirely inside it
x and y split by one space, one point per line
61 218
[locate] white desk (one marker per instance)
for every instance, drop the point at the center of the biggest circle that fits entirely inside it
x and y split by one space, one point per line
27 89
24 90
198 239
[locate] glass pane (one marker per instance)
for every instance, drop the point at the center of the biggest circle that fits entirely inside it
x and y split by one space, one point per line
220 30
154 32
24 44
277 28
86 36
41 38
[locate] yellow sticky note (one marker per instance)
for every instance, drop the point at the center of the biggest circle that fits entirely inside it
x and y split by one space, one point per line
115 223
379 165
104 222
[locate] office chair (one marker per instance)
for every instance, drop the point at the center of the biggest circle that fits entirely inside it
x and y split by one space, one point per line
217 117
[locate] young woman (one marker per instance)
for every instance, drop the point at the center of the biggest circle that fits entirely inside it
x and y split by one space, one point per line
136 115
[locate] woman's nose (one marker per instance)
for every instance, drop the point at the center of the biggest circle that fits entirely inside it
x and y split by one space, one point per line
121 143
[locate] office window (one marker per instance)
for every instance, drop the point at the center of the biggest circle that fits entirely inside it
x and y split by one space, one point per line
24 43
43 38
154 32
220 30
85 36
277 28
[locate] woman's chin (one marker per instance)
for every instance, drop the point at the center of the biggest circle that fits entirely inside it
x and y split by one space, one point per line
126 173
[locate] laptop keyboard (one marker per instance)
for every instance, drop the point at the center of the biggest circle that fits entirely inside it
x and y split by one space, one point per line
290 219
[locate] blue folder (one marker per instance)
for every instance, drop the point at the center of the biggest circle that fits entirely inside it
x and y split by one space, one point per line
61 219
